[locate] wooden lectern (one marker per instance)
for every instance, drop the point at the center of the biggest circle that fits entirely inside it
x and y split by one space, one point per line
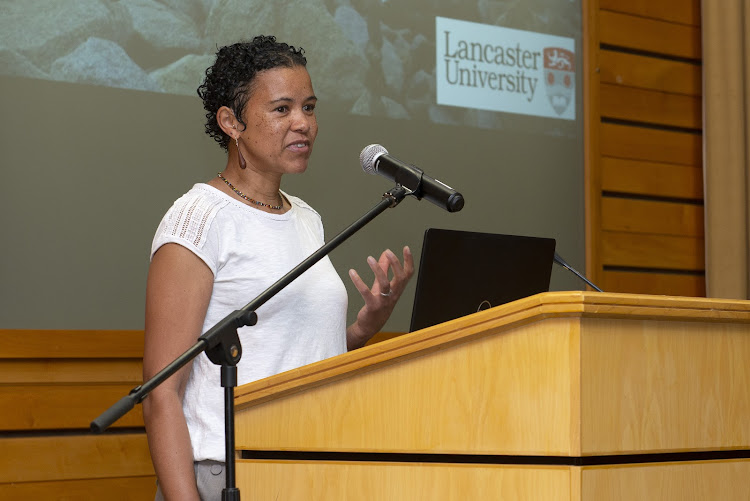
559 396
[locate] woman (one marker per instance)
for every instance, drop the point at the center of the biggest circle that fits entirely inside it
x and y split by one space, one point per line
224 242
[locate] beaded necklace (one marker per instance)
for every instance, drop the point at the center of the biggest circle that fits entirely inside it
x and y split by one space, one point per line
242 195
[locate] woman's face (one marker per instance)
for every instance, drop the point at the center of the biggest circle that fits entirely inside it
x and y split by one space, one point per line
281 123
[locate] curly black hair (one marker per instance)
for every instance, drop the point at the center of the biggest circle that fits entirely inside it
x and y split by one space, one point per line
229 80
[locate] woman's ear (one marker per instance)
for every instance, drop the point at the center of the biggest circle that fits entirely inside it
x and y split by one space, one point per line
228 122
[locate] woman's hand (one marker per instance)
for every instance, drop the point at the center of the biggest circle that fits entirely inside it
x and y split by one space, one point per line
381 298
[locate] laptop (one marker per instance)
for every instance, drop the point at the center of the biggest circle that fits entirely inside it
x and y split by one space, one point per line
462 272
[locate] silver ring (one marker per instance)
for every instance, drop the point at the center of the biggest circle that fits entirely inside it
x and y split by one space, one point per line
384 294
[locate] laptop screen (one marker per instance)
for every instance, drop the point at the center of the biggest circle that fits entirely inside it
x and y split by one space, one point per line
462 272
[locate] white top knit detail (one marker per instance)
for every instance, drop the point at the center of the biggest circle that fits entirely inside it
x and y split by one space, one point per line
247 250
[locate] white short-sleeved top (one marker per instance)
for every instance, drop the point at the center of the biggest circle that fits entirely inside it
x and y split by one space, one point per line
247 250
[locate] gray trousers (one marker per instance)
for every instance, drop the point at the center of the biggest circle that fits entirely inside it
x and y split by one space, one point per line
211 480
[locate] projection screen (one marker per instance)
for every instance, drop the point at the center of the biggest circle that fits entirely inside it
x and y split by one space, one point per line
103 130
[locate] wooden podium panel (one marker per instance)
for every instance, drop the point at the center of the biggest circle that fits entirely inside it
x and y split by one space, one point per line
564 381
679 481
664 386
363 481
478 396
565 374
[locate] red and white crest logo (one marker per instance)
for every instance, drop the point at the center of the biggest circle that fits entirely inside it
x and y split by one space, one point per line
559 77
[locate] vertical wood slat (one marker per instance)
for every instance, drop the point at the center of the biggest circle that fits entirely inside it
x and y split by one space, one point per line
591 137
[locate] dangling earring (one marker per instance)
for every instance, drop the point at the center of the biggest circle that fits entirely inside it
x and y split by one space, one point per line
239 154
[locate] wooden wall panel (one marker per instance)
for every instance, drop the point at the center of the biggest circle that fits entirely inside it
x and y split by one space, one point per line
674 284
58 407
20 371
650 106
653 179
109 489
639 143
633 70
39 344
43 458
52 385
69 389
676 11
645 216
644 146
649 35
659 252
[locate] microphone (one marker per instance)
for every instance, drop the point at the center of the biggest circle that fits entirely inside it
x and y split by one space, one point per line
376 160
559 260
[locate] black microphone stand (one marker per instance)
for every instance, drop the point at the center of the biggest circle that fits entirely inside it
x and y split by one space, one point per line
222 344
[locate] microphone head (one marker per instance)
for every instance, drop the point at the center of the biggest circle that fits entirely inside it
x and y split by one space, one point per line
369 156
